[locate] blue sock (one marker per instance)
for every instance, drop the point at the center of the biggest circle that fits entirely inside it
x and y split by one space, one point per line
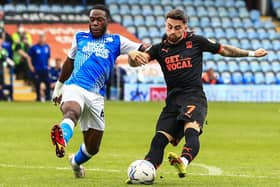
67 126
82 155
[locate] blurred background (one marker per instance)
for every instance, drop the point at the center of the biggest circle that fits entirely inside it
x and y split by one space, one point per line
247 24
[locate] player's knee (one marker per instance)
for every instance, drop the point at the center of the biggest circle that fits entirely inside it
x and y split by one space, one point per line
72 114
193 125
92 149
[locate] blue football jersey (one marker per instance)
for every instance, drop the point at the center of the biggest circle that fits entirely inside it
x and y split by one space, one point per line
94 59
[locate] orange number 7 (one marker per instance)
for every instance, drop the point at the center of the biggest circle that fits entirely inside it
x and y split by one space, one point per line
190 110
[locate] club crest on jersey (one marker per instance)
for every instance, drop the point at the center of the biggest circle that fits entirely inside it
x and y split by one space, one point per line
98 48
189 44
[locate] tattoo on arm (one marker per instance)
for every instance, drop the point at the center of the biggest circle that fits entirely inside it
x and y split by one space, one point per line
231 51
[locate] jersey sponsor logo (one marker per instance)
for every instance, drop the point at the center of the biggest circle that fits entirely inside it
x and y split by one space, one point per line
176 62
189 44
97 48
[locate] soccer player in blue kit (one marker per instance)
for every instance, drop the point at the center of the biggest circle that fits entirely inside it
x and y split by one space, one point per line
81 86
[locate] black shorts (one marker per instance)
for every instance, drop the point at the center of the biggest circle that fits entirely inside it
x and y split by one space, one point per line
179 109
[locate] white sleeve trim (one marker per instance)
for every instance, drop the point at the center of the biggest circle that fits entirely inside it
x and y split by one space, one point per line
73 49
128 45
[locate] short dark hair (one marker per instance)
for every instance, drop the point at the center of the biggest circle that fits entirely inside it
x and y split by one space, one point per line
177 14
101 7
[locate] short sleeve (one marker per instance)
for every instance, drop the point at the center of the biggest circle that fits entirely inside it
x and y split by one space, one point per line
128 45
153 51
73 49
207 44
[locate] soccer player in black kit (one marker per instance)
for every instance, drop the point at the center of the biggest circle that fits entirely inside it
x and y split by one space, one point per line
180 57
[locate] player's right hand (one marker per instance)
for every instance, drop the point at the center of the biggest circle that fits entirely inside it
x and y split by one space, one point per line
57 93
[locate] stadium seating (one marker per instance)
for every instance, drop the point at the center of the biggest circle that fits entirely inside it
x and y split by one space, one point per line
228 22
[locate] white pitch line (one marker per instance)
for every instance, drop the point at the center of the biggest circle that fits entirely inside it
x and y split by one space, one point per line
212 171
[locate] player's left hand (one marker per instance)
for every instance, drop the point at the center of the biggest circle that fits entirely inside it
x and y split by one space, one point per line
260 52
137 58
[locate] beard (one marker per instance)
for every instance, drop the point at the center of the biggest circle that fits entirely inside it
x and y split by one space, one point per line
173 38
98 32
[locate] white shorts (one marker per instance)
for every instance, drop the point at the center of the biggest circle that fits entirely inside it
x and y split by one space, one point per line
92 106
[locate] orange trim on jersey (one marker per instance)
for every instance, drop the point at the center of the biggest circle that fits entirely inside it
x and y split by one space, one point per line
185 35
220 49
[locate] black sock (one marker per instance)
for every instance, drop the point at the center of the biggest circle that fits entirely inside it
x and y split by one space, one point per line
155 155
192 145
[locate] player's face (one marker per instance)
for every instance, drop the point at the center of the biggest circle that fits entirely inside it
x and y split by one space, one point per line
174 30
97 22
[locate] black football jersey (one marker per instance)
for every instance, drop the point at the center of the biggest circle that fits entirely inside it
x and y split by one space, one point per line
181 63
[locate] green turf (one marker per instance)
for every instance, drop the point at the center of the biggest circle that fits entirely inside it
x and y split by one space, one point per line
241 139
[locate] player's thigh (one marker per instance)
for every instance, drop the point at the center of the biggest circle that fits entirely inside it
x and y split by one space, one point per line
93 114
72 100
169 124
193 111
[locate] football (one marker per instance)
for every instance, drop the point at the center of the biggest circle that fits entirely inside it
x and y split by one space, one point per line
141 172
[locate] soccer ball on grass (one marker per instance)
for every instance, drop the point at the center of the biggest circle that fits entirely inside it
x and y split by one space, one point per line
141 172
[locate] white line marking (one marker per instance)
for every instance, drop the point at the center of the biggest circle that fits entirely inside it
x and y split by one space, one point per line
211 170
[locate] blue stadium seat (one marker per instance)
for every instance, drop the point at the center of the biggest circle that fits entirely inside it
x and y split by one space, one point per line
212 11
275 66
21 8
9 8
216 22
139 20
259 77
246 44
194 21
226 22
225 77
132 29
232 66
117 18
158 10
136 9
248 77
55 8
277 75
124 9
160 20
255 15
219 33
127 20
210 64
142 31
150 20
114 8
255 66
147 10
270 78
244 66
44 8
237 77
222 66
265 66
204 21
154 31
276 44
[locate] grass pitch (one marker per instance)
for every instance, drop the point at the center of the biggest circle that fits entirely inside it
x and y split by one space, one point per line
240 146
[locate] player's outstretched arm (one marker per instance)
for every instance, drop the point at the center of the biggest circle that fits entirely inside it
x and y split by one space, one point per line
137 58
231 51
66 71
